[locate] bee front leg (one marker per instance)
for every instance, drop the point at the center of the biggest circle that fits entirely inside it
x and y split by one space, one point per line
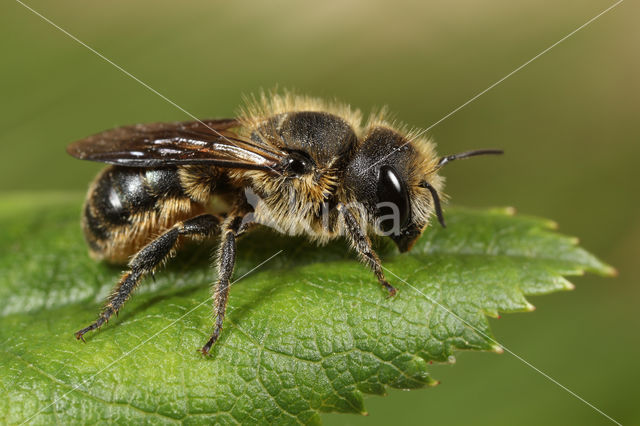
146 261
231 229
362 245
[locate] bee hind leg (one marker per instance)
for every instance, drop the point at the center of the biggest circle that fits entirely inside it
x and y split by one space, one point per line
146 261
362 245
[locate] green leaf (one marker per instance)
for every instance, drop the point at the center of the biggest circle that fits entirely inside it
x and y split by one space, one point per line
309 331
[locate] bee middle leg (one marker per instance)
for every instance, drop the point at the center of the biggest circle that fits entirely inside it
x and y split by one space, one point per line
146 261
362 244
232 228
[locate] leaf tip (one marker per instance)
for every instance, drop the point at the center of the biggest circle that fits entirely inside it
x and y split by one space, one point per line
610 271
497 349
553 225
506 211
492 313
530 307
567 284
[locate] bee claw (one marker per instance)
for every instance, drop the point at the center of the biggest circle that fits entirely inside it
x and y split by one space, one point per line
391 290
80 336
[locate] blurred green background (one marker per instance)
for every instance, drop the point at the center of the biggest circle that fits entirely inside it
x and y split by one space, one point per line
568 121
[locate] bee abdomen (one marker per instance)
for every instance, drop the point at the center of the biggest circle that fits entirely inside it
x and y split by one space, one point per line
127 206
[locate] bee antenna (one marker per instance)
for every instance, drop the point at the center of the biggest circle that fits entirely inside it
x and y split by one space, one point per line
448 158
436 201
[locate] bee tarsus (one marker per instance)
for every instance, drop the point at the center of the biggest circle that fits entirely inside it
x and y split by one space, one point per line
362 245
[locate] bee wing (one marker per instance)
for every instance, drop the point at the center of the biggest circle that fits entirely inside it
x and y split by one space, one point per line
196 142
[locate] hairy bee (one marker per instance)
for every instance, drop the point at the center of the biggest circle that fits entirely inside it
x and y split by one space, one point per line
296 164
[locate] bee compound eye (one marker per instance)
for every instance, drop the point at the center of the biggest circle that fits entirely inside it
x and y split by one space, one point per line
391 190
298 163
297 166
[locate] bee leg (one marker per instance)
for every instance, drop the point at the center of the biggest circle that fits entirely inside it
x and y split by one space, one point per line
362 244
147 259
231 229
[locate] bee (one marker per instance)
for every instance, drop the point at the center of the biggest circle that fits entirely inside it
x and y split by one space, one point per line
299 165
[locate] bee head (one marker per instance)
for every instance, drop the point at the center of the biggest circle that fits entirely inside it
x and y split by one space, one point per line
395 178
386 177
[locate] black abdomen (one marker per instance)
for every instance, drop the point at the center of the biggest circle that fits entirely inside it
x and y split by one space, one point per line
128 205
121 192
